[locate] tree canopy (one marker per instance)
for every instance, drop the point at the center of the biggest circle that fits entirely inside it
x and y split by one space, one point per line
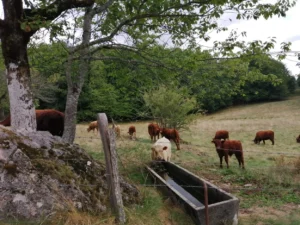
125 32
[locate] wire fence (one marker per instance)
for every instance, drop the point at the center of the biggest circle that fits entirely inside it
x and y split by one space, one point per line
206 165
279 165
231 150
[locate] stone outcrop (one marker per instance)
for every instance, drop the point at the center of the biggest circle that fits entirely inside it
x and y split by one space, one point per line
41 175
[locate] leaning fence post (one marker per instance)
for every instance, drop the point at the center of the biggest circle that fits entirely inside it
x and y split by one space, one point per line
109 148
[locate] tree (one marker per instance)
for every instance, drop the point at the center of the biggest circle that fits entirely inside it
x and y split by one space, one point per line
140 22
298 80
21 21
169 106
276 82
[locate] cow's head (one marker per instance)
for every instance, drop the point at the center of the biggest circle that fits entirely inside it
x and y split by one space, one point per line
218 143
157 129
298 139
157 152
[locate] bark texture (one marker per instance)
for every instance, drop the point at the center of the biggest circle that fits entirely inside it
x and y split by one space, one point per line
75 84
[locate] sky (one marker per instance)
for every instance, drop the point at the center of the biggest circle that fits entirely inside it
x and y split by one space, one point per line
285 29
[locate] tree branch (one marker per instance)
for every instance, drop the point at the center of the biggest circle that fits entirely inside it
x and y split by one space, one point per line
56 8
161 14
102 8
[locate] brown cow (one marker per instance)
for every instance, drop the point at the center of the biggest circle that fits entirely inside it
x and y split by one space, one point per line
132 132
222 134
264 135
229 147
92 126
298 139
153 130
46 120
171 134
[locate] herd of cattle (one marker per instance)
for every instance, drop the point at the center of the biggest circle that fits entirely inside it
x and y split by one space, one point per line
53 121
161 149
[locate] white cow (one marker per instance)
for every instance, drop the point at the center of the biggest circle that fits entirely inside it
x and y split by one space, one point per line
161 150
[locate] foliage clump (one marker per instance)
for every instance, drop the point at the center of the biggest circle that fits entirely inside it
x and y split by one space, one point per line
170 107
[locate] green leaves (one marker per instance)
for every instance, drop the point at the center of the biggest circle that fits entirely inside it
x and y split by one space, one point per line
169 106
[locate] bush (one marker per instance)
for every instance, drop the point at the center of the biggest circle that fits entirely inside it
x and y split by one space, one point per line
170 106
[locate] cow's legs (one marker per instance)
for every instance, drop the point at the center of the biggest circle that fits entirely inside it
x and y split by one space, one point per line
238 157
221 159
242 160
226 160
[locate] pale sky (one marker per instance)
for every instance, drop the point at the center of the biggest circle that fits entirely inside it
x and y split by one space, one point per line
285 29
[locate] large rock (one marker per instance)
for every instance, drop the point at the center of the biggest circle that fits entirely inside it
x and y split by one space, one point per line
41 175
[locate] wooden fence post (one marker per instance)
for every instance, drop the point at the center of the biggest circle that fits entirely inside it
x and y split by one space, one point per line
109 148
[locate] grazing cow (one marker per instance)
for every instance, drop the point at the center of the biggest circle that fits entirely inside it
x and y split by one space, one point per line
92 126
222 134
229 147
161 150
132 132
117 130
298 139
46 120
264 135
153 130
171 134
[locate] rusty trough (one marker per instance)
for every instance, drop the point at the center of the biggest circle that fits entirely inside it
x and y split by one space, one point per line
187 190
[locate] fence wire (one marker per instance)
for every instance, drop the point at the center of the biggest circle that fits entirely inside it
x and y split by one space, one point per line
228 188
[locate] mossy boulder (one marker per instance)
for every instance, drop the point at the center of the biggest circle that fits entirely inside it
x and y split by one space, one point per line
41 175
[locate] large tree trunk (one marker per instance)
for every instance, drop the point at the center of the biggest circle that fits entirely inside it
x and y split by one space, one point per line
16 28
22 109
14 42
75 84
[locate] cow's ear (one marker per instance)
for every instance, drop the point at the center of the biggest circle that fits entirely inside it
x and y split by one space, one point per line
165 148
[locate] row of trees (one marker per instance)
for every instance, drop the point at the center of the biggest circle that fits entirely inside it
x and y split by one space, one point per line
182 82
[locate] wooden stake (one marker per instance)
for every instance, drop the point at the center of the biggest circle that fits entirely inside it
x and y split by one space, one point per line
109 147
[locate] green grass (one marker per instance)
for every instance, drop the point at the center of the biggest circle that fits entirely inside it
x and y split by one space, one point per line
272 177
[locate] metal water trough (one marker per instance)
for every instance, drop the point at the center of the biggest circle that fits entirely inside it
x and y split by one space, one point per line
187 190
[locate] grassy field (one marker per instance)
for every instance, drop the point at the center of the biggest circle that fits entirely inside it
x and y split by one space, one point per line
269 187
